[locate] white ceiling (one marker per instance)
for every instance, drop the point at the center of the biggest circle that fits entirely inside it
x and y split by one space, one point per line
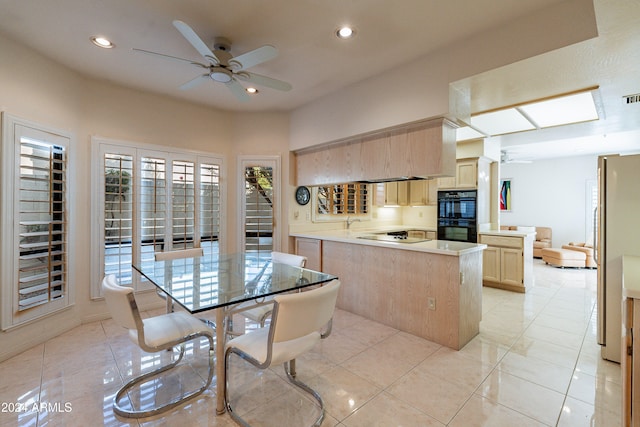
316 62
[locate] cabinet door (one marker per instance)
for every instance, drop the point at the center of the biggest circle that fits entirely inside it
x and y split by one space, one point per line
432 192
491 264
391 193
418 192
312 249
511 267
419 234
467 173
403 193
445 183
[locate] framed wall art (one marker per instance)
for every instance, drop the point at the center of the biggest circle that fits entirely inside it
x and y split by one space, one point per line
505 194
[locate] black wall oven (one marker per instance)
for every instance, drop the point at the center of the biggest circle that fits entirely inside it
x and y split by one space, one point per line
457 215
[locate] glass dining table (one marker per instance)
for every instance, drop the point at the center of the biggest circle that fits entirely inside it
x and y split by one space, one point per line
222 281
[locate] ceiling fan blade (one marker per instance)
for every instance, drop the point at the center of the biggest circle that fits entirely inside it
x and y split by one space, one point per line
263 81
193 82
238 90
196 41
254 57
175 58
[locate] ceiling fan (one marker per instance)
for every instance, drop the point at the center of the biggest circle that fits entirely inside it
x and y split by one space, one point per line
220 66
505 158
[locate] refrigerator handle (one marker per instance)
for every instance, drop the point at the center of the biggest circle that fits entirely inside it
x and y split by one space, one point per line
595 235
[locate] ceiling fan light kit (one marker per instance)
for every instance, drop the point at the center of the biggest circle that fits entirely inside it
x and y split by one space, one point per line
222 67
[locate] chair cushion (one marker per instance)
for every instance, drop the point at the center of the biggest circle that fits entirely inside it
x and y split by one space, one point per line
160 330
255 345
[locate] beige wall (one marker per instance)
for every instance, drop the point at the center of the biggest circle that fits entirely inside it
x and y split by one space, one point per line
42 91
420 89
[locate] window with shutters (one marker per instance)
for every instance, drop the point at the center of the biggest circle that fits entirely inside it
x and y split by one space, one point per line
341 200
35 222
153 201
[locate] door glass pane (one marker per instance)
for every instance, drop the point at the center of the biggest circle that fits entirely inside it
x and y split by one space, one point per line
258 209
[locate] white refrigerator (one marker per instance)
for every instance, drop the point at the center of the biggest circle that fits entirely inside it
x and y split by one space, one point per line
618 234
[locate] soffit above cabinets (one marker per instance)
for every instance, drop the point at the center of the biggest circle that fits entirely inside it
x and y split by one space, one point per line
575 107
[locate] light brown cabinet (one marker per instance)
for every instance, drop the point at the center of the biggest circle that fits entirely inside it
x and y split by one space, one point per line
419 192
507 261
468 174
423 192
392 193
312 249
420 149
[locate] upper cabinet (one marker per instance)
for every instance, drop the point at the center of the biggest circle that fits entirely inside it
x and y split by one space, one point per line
467 174
420 192
422 149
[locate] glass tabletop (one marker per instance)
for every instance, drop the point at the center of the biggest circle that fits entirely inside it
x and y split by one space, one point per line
212 281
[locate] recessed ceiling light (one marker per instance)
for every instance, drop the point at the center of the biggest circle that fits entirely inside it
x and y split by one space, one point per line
102 42
251 90
345 32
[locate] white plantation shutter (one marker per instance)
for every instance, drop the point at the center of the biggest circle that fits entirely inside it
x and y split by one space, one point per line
35 222
183 204
210 204
259 209
42 223
153 201
118 215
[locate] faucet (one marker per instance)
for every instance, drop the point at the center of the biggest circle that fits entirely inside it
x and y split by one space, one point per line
351 221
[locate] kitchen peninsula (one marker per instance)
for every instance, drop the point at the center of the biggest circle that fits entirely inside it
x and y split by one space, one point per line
429 288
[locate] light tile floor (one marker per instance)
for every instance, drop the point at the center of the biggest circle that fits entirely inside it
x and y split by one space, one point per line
535 363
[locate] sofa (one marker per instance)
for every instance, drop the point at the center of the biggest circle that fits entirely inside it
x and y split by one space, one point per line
585 248
542 239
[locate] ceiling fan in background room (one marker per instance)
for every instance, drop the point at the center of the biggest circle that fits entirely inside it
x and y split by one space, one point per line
505 158
220 66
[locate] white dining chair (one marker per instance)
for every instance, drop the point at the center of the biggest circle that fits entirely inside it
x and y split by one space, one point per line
153 335
170 255
298 322
261 313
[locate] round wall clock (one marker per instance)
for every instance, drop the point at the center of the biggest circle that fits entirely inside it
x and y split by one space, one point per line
302 195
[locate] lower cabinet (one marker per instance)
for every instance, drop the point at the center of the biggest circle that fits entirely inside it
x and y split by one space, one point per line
312 249
505 262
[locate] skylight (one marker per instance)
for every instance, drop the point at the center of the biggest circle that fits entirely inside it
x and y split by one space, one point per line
556 111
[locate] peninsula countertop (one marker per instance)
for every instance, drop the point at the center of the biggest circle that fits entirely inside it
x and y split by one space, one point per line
508 233
443 247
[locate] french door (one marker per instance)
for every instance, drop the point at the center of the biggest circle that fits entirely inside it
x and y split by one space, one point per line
260 204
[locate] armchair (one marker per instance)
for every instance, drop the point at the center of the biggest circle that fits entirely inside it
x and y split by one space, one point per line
543 240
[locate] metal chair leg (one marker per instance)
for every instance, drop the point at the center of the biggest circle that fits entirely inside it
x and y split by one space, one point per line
119 410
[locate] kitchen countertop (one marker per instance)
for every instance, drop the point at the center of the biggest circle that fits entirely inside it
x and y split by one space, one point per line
631 276
514 233
443 247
